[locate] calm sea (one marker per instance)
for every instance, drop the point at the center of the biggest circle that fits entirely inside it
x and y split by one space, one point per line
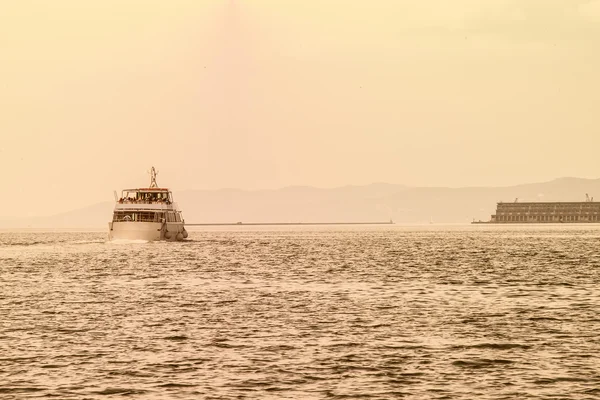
473 312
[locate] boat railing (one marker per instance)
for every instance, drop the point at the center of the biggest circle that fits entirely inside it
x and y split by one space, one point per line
164 202
144 206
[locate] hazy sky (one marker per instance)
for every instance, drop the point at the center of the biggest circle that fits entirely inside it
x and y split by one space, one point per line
269 93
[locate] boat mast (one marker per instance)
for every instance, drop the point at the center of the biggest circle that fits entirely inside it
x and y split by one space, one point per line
153 174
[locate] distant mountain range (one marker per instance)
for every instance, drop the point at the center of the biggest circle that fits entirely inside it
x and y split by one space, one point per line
375 202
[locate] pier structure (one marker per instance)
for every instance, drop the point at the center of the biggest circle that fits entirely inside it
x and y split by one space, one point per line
288 223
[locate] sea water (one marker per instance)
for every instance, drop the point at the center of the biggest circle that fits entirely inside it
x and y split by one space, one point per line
463 312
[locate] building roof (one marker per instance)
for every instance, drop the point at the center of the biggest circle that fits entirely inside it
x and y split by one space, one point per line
547 202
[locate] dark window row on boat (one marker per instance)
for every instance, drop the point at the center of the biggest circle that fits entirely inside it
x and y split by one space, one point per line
133 201
146 216
146 198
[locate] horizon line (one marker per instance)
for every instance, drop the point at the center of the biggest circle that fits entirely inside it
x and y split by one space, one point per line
350 185
6 218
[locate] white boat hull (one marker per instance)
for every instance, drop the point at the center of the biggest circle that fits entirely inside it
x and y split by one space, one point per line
149 231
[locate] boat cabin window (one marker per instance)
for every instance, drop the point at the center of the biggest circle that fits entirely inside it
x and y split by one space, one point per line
174 217
138 216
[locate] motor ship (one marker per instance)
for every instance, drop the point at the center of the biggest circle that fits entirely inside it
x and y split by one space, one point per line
147 214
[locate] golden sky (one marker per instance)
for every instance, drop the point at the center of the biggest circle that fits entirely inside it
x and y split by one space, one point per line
269 93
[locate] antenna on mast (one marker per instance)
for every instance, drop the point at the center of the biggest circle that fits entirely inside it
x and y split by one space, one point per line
153 174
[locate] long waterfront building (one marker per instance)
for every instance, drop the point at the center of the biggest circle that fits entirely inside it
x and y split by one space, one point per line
547 212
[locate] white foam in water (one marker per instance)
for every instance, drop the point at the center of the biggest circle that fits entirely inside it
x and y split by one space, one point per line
127 241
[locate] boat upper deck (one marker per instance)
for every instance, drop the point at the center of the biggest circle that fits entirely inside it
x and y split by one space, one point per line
152 198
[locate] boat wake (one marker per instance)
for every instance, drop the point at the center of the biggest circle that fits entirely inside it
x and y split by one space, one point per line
87 241
127 241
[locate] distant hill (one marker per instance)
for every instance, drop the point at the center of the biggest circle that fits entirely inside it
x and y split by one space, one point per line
376 202
94 216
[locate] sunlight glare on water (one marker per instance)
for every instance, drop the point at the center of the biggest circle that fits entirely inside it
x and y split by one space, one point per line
373 312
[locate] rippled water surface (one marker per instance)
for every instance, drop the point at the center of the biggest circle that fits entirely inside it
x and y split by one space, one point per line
382 313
